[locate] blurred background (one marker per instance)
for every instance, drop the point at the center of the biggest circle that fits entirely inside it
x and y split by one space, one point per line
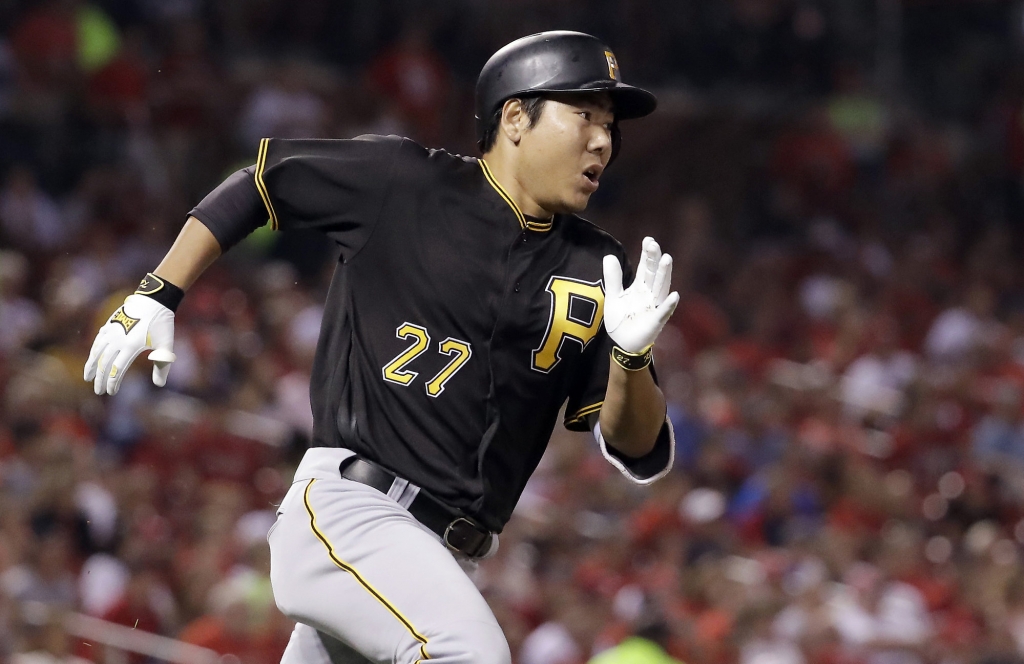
839 181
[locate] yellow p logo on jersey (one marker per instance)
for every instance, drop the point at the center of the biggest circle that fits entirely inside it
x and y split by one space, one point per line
577 309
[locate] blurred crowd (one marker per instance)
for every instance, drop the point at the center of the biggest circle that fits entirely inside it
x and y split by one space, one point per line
840 184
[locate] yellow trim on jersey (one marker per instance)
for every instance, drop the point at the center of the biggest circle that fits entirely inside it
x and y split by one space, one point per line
261 162
583 412
363 582
540 226
501 192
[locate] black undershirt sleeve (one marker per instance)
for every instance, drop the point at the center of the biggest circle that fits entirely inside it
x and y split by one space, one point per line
654 461
651 463
232 210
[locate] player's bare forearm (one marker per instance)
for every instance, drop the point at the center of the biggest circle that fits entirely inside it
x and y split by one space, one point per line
193 251
633 411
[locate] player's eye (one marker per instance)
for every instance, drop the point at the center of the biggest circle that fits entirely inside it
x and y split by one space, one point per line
585 115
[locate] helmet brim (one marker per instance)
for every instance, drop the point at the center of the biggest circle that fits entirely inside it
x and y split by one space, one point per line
630 101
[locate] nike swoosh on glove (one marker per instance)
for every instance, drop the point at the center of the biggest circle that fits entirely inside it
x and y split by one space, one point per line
141 323
634 317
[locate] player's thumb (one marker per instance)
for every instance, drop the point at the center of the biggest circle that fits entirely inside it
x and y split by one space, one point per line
668 307
162 355
161 339
612 276
162 360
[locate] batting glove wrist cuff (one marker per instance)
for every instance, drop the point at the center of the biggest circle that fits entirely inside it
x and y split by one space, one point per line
161 290
632 361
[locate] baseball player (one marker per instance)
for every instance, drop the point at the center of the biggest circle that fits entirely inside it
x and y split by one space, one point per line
469 304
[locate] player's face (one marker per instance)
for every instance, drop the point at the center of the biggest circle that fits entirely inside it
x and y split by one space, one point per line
566 151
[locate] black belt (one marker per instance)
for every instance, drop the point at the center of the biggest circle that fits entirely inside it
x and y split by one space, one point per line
457 531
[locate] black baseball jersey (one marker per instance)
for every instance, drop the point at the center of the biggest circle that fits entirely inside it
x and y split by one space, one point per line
455 327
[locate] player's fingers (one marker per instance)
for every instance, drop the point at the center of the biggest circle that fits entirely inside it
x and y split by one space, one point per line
106 360
94 355
118 368
662 279
612 277
649 261
668 307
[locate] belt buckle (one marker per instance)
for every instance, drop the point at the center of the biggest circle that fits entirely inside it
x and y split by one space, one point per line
448 531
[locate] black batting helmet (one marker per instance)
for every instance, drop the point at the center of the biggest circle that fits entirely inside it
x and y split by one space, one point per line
555 61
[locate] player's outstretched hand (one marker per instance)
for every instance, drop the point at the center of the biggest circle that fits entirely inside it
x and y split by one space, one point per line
141 323
634 317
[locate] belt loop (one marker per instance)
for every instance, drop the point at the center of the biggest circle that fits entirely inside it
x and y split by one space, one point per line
346 462
397 488
408 494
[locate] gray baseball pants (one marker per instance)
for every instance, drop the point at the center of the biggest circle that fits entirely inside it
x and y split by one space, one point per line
360 575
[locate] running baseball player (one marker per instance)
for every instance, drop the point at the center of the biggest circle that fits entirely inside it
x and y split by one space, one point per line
469 304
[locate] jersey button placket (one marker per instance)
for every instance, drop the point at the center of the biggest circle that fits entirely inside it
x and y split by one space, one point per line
525 234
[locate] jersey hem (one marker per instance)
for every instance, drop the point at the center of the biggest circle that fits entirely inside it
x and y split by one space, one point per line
573 422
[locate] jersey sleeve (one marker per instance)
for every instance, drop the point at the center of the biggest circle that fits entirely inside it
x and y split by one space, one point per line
336 187
586 394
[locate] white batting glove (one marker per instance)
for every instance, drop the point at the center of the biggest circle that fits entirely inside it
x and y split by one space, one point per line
141 323
635 316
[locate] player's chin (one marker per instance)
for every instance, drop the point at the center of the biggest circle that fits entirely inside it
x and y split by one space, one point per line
575 203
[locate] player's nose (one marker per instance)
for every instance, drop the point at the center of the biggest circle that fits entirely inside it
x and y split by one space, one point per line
601 143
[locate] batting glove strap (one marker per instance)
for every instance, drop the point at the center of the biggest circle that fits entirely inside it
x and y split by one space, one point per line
632 361
161 290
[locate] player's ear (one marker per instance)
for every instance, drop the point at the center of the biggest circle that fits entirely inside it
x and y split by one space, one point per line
514 120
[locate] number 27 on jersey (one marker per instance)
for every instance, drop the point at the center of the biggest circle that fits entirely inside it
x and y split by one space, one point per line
395 371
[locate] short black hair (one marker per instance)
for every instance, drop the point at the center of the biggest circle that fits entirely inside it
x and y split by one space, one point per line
533 106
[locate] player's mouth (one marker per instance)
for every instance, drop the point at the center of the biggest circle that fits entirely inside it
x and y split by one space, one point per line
591 177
